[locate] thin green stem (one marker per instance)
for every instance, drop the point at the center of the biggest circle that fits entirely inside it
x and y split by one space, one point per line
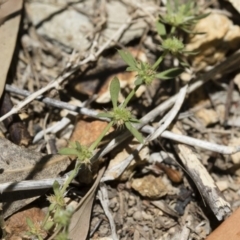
99 139
71 177
77 167
56 232
46 218
130 95
65 186
156 64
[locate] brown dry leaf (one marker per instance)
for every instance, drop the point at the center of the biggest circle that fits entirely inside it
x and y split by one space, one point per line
16 226
150 186
10 15
80 221
229 229
216 42
207 116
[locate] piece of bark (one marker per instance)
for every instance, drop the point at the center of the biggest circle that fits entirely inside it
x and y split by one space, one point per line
10 16
17 130
202 179
17 164
229 229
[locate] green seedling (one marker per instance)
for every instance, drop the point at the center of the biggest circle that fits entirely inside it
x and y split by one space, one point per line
82 153
120 115
146 73
179 16
35 230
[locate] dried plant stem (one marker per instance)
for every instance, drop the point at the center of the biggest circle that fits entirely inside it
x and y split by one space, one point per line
147 129
103 197
53 102
29 185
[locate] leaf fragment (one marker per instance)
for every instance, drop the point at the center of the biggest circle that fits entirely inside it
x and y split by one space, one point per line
170 73
134 132
128 58
114 91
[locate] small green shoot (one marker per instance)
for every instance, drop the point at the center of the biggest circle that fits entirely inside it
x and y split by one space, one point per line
35 230
178 16
82 153
120 115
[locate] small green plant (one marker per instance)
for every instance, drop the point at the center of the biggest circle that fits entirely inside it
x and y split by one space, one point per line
178 17
59 215
35 230
120 115
82 153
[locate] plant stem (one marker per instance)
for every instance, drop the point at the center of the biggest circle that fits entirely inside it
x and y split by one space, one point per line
71 177
77 167
130 95
156 64
65 186
99 139
46 218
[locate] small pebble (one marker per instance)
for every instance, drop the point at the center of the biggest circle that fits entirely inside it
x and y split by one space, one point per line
113 203
103 230
131 211
137 216
146 216
131 201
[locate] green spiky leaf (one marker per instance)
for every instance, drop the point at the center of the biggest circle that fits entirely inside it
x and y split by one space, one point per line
138 82
51 207
134 132
131 69
161 29
158 62
68 151
29 222
128 58
56 188
134 120
48 225
201 16
184 63
114 91
78 146
104 115
170 73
